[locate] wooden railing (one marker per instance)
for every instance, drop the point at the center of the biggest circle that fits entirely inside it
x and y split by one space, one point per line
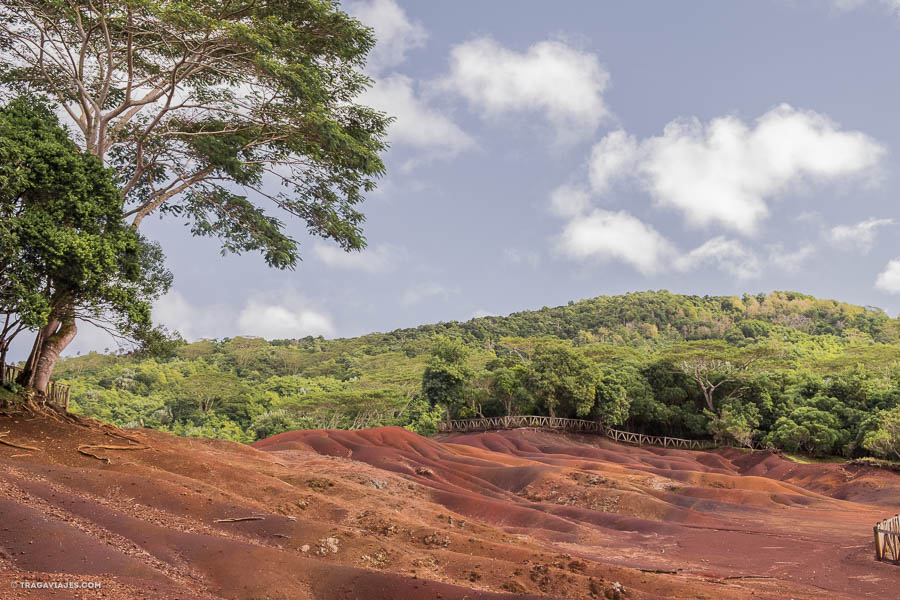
57 393
573 425
887 540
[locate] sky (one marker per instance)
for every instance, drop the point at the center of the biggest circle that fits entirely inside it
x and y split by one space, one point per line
547 152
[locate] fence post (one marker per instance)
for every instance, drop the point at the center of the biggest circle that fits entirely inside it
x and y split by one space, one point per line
877 543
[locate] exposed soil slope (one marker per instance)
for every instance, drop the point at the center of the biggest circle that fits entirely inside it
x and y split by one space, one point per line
384 513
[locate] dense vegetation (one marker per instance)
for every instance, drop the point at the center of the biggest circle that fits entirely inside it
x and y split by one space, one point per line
783 369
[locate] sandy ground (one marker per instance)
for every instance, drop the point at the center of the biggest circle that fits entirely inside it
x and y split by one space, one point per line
385 514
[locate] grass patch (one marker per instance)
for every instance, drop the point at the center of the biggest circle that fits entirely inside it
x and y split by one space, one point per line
810 460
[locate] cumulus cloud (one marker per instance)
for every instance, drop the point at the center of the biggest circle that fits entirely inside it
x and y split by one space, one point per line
274 320
419 292
569 201
889 279
551 78
728 255
281 315
790 261
860 236
725 171
378 259
605 236
193 322
395 34
417 124
612 156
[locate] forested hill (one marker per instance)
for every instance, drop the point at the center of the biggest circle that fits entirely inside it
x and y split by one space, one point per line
653 317
795 371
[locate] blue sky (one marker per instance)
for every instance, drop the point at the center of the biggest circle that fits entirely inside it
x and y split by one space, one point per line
546 152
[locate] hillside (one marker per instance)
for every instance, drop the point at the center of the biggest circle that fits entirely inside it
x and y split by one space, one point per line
808 355
385 513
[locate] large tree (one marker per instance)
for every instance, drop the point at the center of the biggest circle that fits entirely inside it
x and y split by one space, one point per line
222 113
65 253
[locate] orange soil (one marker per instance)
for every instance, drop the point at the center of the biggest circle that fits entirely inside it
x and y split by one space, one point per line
384 513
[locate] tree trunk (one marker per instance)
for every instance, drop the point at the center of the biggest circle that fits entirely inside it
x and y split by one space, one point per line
51 340
4 346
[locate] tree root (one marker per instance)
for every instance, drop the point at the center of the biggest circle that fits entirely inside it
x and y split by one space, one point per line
83 449
5 443
100 458
121 437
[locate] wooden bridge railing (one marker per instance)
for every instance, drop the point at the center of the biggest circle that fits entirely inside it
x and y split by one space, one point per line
58 393
574 425
887 540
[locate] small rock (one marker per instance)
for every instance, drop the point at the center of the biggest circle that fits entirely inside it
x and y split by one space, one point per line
304 548
327 545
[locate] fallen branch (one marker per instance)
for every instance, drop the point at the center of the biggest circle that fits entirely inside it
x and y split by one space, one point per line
104 447
659 571
5 443
100 458
237 519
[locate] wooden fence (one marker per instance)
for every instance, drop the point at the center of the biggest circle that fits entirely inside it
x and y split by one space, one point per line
57 393
573 425
887 540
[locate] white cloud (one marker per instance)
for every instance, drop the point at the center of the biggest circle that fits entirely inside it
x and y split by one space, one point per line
564 84
860 236
378 259
846 5
889 279
270 315
517 256
421 291
614 154
604 235
569 201
417 125
395 34
175 312
790 262
279 321
728 255
724 172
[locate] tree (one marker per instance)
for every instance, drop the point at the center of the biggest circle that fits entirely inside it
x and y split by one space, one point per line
715 366
509 386
885 439
66 253
564 380
808 430
612 406
211 111
446 375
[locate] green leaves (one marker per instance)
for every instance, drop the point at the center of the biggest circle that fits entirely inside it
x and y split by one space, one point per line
207 109
63 243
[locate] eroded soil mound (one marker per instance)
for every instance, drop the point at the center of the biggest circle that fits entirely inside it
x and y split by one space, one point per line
384 513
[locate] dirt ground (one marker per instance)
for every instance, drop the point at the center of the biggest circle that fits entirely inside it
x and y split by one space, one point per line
386 514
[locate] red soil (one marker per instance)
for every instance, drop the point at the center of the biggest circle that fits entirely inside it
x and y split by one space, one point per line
384 513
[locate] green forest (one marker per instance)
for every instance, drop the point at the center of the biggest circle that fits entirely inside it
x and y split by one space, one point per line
782 370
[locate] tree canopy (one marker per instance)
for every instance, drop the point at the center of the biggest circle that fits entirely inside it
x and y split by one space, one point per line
213 112
64 251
